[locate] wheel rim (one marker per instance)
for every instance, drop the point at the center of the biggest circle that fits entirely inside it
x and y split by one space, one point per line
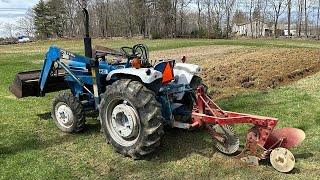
122 122
64 115
282 159
231 140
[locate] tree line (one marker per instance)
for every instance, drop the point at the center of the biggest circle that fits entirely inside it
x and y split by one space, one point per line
168 18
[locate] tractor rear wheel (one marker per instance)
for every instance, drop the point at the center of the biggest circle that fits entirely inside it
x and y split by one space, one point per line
67 113
131 118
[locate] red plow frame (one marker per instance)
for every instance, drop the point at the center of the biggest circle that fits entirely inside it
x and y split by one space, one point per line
261 139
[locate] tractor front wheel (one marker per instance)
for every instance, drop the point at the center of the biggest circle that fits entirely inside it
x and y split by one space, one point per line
131 118
67 113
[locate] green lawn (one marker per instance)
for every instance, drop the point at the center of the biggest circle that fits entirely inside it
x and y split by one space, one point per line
31 147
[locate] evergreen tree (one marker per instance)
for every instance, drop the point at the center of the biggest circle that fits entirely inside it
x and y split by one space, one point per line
42 22
57 16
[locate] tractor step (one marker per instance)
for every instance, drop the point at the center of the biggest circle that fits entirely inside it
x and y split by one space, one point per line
26 84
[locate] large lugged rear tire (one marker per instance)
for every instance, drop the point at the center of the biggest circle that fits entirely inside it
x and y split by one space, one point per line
131 118
67 113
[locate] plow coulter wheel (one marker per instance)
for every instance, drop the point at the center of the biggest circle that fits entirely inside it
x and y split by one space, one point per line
282 159
131 118
224 138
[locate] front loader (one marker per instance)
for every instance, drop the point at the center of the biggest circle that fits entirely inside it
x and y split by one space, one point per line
136 99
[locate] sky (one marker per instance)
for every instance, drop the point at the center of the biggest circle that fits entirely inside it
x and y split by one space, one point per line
12 10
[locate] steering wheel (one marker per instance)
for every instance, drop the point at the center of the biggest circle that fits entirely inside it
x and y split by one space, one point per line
128 52
138 51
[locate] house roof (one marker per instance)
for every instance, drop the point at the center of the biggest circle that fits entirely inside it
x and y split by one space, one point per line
248 22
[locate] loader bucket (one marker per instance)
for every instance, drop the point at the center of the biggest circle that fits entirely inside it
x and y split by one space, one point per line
26 84
289 137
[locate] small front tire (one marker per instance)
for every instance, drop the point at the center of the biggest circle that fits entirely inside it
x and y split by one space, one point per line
67 113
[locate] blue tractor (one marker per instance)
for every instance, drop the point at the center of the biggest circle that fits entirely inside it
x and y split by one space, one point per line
134 98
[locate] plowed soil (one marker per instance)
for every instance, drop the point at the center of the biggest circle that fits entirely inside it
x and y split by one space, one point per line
228 70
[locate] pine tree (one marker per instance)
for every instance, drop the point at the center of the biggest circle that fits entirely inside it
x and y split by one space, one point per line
42 21
57 15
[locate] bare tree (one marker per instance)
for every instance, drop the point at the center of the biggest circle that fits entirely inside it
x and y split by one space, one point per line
305 19
199 7
251 10
318 19
278 7
8 29
26 24
310 6
183 4
264 6
229 5
208 4
172 18
175 15
218 10
289 17
300 14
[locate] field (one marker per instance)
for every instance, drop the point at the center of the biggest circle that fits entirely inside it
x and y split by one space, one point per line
278 78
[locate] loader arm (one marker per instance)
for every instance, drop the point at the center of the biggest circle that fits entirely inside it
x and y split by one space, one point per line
52 55
58 55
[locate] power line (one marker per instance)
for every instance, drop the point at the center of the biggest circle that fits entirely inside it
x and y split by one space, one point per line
13 8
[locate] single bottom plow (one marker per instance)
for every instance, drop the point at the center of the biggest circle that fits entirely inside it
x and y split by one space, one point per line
263 141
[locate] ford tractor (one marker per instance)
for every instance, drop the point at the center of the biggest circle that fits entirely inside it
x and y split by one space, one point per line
135 99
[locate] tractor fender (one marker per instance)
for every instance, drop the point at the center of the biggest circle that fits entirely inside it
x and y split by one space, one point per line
184 73
147 75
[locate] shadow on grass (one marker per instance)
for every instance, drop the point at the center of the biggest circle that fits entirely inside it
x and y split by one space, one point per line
45 116
28 141
304 155
177 144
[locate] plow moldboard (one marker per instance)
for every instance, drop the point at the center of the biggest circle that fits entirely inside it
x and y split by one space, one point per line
292 137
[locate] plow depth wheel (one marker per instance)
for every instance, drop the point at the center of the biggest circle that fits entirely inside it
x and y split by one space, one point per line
282 159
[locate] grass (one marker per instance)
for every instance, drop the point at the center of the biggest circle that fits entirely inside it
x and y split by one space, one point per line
31 147
162 44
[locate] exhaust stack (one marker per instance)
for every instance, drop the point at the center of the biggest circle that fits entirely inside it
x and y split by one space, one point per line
87 38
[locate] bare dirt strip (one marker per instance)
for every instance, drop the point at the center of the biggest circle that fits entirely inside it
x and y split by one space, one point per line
231 69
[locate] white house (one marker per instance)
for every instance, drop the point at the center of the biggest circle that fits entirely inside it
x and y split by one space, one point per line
284 28
258 29
293 32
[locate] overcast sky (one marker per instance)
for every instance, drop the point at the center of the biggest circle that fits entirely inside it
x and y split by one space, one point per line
11 10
